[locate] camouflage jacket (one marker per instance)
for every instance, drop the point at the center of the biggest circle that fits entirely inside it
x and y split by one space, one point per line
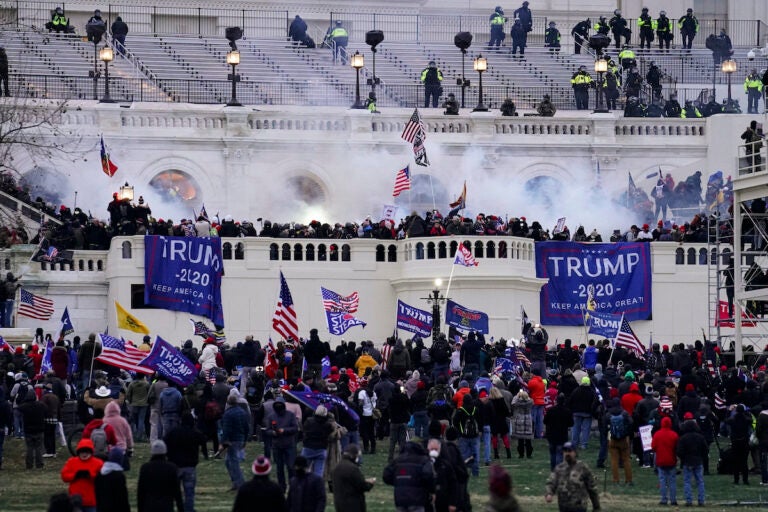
573 485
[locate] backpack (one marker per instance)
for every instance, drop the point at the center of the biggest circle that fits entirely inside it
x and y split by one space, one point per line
21 394
618 427
468 425
99 440
439 397
212 411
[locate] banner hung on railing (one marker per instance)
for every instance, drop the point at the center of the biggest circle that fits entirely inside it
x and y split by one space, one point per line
617 276
184 274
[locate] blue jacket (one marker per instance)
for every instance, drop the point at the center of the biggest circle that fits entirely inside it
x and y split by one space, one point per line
590 358
234 425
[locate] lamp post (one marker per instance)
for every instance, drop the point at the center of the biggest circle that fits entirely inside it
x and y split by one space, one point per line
233 59
373 38
106 55
601 66
729 67
462 40
126 192
480 65
435 299
357 61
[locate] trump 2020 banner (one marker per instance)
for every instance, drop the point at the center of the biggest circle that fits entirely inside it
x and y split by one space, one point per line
465 319
169 362
617 276
414 320
184 274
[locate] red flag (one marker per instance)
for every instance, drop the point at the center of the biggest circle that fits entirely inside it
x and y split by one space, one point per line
107 166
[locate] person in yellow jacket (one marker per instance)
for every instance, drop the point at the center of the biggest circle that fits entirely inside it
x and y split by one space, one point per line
664 31
645 24
364 362
753 86
581 81
432 78
337 38
497 21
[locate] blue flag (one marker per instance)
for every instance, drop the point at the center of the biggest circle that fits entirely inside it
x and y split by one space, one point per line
414 320
184 274
169 362
331 402
339 322
504 365
66 323
483 383
465 319
604 324
326 367
45 365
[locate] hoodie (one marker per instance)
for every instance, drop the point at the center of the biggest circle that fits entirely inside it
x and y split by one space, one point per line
80 474
120 426
664 443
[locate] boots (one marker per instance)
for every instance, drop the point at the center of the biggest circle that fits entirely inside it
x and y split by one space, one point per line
509 453
529 449
495 453
520 451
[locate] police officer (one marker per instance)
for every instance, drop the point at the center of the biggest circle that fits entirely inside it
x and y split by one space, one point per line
645 24
497 20
663 26
653 77
689 27
519 37
672 107
339 36
612 86
581 81
753 86
58 22
626 57
432 79
634 108
451 106
633 83
711 108
580 33
552 37
370 103
691 110
619 28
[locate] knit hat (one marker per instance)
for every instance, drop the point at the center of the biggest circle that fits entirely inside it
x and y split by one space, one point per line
499 481
321 411
689 387
261 466
688 416
585 381
116 455
629 376
463 384
158 448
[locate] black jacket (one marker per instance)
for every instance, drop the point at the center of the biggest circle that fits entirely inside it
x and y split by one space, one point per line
557 420
307 493
184 446
119 28
158 488
317 430
582 400
692 447
349 487
263 491
412 476
111 492
446 485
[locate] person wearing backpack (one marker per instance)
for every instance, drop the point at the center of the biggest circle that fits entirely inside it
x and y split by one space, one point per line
185 443
619 432
440 353
101 434
171 402
18 394
522 423
465 421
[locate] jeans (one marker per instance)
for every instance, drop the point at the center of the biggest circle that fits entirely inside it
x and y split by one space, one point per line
34 444
397 434
537 414
696 472
2 443
602 453
668 482
582 423
138 420
245 375
18 424
421 424
470 447
284 458
232 463
555 455
485 440
316 458
169 422
188 478
85 378
351 437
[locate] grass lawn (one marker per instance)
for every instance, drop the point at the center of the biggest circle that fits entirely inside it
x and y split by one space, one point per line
22 490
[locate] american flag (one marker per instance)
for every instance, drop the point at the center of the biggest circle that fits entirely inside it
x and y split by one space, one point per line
413 127
627 338
525 323
522 357
743 376
116 352
711 368
334 302
464 257
419 151
719 402
51 254
284 320
461 201
504 365
199 328
35 306
402 181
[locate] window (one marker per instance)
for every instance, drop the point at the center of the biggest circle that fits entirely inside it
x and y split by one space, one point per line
127 252
137 297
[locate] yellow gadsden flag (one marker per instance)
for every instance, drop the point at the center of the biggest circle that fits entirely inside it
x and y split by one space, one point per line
127 321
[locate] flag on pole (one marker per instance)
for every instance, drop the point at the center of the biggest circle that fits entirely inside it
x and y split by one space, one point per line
415 133
340 321
284 320
522 357
204 213
503 365
66 323
107 165
118 353
45 364
332 301
270 360
525 323
34 306
402 181
461 201
631 187
627 338
127 321
464 257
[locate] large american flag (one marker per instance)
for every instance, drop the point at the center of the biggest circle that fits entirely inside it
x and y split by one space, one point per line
402 181
413 127
627 338
334 302
116 352
34 306
464 257
284 320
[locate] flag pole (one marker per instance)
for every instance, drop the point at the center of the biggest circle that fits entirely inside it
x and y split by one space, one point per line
450 278
613 345
586 329
432 188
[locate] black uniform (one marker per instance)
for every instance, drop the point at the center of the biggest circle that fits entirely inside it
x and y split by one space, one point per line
619 29
689 27
653 77
645 22
580 33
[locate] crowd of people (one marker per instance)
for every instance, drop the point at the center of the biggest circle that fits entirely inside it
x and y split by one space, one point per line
441 411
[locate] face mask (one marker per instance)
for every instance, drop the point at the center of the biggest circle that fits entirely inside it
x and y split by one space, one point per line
434 453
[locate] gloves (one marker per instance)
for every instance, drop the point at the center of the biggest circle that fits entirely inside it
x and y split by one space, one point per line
82 474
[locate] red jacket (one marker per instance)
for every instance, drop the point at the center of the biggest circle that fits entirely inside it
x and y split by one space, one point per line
536 390
664 444
96 423
629 400
458 397
82 484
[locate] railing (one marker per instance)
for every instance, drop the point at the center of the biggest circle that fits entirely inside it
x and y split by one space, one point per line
28 211
752 157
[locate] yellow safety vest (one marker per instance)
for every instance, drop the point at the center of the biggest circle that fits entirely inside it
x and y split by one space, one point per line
497 20
581 79
752 82
339 32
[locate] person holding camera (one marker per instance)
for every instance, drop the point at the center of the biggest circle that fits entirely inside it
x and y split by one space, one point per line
432 79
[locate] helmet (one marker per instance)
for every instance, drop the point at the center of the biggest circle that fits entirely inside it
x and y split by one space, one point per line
645 9
498 8
546 96
689 11
617 12
432 64
338 23
59 10
582 68
97 12
589 21
552 23
662 13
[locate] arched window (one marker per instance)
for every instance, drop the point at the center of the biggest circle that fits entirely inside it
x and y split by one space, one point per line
392 253
454 247
90 265
679 256
702 256
431 250
479 249
81 265
127 252
273 252
346 254
334 250
691 256
99 265
226 251
298 252
321 255
286 252
310 252
490 251
379 253
419 251
442 250
503 250
177 187
240 251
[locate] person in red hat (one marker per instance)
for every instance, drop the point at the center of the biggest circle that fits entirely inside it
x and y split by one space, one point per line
664 444
645 235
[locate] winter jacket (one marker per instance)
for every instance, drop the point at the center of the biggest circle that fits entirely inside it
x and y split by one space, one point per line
691 447
80 474
363 362
60 362
111 490
158 488
412 476
185 444
306 493
263 491
557 420
664 444
399 360
522 422
288 423
317 431
582 400
123 433
349 487
138 393
536 390
234 425
34 413
207 359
